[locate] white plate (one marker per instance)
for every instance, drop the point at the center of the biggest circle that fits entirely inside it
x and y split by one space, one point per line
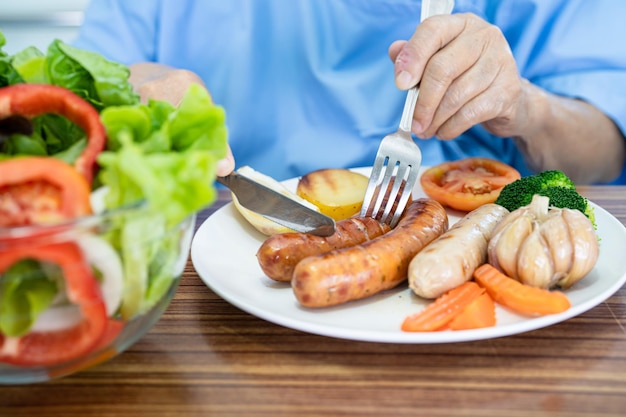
223 253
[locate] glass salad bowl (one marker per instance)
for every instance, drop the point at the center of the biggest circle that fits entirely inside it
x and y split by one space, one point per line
75 294
77 288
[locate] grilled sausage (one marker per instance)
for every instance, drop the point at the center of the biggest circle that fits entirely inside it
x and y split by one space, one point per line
451 260
360 271
279 254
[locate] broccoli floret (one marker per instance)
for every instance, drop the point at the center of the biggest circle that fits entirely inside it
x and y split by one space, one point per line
555 178
519 193
563 197
553 184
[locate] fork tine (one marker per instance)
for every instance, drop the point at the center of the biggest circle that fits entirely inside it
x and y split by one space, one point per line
383 189
411 178
372 185
399 178
391 183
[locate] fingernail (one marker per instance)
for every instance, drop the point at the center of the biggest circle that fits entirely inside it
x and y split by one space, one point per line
403 80
225 166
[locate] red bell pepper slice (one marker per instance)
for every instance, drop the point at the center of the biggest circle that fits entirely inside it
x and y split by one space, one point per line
55 347
30 100
41 190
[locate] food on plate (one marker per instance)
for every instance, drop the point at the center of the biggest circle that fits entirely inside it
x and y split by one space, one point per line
260 223
41 190
279 254
97 197
521 298
545 246
450 259
471 305
445 308
337 192
480 313
553 184
379 264
467 183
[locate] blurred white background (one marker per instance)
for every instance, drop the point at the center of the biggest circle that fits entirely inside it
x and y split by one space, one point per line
38 22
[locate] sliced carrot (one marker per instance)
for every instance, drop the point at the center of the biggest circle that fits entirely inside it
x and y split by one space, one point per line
478 314
520 298
443 309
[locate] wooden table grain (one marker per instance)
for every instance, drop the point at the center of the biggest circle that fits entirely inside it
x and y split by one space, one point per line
206 357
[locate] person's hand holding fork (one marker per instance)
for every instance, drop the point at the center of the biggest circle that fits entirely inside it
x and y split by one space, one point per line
467 76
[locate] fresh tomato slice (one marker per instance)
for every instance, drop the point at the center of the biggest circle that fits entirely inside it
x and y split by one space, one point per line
30 100
54 347
467 184
41 190
105 349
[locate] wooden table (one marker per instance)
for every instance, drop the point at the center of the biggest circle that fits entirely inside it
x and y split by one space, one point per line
208 358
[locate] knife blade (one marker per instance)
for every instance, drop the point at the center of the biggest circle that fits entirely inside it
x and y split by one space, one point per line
277 207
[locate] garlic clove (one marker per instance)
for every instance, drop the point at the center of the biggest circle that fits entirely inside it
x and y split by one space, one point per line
492 256
504 252
508 219
557 236
585 245
534 262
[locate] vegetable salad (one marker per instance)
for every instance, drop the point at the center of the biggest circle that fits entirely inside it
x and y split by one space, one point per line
156 157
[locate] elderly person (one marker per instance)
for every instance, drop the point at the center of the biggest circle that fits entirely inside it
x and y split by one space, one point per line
306 84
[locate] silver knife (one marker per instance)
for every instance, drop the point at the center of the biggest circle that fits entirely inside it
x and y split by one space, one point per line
277 207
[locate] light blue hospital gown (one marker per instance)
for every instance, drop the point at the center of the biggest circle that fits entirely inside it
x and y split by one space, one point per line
308 84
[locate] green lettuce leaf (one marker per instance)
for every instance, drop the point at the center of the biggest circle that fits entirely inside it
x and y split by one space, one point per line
168 161
104 83
163 159
8 74
30 64
25 291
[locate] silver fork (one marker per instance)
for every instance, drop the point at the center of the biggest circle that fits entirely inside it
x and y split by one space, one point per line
396 165
398 159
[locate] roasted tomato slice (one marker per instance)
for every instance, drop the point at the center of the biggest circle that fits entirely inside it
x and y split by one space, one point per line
467 183
41 190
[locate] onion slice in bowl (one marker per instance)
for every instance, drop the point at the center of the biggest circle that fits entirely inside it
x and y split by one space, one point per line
100 253
57 318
